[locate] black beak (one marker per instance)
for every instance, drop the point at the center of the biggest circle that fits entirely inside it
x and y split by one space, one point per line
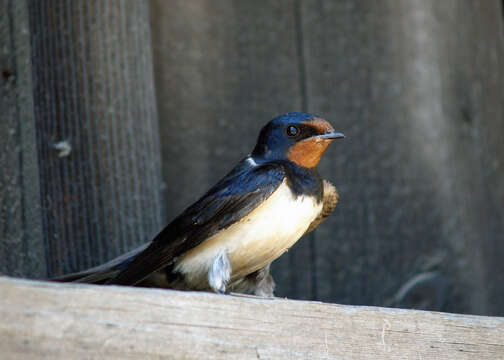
330 135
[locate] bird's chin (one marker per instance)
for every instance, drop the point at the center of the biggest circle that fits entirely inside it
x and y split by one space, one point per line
307 153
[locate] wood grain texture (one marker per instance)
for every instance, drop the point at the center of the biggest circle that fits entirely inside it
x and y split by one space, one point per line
96 129
22 250
54 321
417 88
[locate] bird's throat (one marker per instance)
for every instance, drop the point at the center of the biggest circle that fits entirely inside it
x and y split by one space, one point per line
307 153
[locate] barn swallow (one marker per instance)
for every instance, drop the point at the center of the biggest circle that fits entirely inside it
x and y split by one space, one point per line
227 239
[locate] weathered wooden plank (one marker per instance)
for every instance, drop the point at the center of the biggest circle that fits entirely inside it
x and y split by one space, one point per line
22 250
96 129
223 69
417 87
60 321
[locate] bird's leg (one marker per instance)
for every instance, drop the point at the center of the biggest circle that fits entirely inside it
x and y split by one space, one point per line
265 285
219 273
258 283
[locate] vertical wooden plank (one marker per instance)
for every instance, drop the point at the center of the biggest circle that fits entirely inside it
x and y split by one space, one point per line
21 245
97 131
476 94
223 69
417 87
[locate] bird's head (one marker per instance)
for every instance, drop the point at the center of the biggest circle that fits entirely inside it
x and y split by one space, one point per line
299 137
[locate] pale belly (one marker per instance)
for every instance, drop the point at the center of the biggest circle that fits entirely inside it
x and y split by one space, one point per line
257 239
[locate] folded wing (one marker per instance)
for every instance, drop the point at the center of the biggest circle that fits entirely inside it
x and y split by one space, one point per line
230 200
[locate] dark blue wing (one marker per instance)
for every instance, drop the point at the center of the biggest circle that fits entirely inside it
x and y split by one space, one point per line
232 198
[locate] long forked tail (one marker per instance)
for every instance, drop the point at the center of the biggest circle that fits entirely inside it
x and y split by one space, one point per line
101 274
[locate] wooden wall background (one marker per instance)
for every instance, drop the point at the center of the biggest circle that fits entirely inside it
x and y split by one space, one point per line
80 161
417 87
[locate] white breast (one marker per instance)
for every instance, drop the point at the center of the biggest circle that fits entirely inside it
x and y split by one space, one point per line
257 239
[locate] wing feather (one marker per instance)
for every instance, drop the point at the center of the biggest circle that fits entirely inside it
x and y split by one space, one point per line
230 200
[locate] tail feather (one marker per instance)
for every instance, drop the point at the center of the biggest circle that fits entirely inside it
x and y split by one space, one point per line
101 274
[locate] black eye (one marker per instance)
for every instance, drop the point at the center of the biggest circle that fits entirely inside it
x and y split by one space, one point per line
293 131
